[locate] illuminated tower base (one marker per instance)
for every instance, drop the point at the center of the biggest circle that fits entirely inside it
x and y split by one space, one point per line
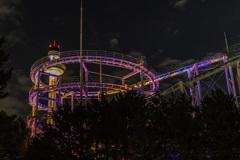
58 70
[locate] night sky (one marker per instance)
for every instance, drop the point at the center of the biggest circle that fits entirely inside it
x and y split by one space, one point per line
170 33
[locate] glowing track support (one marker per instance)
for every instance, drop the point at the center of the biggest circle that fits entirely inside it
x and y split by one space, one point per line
238 75
86 87
86 82
130 74
35 111
226 74
59 94
192 73
141 75
72 101
230 81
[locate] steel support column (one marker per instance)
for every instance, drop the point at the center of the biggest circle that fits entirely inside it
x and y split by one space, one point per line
36 107
59 99
198 83
72 101
59 92
123 82
230 81
141 77
233 85
86 83
191 90
142 62
226 74
86 86
192 73
181 86
238 75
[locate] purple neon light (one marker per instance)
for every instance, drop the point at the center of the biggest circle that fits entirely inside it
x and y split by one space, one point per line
189 67
45 63
106 58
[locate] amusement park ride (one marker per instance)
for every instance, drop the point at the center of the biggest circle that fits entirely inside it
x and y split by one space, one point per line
51 87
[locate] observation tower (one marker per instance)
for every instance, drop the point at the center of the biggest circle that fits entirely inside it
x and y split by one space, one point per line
54 71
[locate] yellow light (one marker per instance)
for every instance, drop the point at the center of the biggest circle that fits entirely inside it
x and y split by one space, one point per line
58 70
55 71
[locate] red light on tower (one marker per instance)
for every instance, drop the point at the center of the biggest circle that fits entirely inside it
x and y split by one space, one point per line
54 47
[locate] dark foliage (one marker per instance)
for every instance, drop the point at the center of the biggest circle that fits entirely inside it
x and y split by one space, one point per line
131 127
5 74
174 133
221 119
13 132
101 129
13 136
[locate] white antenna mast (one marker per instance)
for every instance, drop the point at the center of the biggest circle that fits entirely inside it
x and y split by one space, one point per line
81 62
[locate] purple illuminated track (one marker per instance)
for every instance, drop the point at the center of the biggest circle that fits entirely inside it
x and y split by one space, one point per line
111 59
112 83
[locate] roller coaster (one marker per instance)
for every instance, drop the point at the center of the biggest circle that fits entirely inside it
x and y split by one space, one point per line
110 73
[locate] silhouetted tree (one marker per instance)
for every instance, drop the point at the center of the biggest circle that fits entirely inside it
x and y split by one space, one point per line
13 132
132 127
13 136
121 126
174 133
221 119
5 74
64 140
101 129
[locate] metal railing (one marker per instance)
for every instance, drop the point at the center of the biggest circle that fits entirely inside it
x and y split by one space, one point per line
90 53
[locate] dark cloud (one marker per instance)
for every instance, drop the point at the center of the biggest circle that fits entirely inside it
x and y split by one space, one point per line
114 42
169 64
136 54
211 55
17 101
15 37
180 3
10 19
9 9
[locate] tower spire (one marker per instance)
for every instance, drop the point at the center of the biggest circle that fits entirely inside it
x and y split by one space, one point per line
81 62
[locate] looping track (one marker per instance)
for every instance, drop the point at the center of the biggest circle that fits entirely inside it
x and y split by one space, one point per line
196 72
44 92
112 59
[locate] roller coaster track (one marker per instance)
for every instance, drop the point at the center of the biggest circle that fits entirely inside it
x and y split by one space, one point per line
103 57
70 86
119 60
70 57
205 74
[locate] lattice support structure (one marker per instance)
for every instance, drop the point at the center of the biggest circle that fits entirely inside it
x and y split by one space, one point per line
230 81
199 71
238 75
192 73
